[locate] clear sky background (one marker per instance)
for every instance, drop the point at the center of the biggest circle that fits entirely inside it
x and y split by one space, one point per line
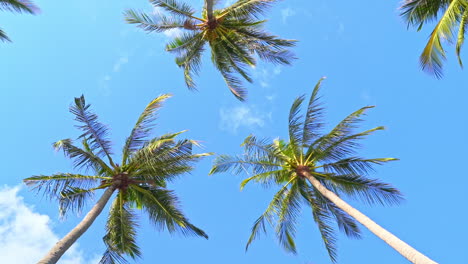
370 58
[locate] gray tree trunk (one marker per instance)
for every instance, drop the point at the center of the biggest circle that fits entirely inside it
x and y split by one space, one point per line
66 242
404 249
209 9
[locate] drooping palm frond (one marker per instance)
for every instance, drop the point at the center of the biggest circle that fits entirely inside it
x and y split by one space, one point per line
161 205
121 229
143 127
450 16
74 199
18 6
94 131
4 37
461 35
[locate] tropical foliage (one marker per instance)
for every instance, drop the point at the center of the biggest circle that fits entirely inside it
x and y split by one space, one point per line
329 157
451 16
235 35
19 6
140 180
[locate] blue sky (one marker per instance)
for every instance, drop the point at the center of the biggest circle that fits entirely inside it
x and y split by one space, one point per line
84 47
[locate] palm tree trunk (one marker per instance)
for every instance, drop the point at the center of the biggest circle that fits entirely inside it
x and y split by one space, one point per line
66 242
209 9
404 249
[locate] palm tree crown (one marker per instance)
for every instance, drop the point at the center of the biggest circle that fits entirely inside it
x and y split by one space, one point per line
234 34
16 6
329 158
140 180
450 15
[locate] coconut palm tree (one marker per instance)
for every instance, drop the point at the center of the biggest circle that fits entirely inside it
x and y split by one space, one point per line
450 15
235 35
16 6
140 182
316 170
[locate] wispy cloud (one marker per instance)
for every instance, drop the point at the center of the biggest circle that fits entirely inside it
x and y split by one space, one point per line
241 116
120 62
287 13
264 74
25 235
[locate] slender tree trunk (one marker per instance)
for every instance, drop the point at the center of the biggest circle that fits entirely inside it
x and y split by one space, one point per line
209 9
65 243
404 249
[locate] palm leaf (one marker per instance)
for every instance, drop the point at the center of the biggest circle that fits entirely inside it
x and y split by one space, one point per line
18 6
158 22
174 7
461 35
246 9
82 158
433 54
296 124
55 184
313 118
4 37
143 127
290 209
162 208
93 130
121 229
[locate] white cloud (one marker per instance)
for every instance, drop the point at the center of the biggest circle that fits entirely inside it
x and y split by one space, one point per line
264 74
25 235
287 13
241 116
122 61
341 28
173 33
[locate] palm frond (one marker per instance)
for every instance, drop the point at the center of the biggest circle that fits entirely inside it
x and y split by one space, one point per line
94 131
433 54
340 140
162 208
287 217
19 6
272 210
370 191
112 257
313 118
418 12
346 223
174 7
182 44
243 9
82 158
296 124
121 229
53 185
158 22
143 127
74 199
461 35
237 165
4 37
190 61
354 165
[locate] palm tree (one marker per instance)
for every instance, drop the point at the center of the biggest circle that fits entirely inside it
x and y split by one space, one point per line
140 182
450 15
316 170
235 35
16 6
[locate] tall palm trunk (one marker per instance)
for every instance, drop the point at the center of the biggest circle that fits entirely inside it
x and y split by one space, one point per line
209 9
66 242
404 249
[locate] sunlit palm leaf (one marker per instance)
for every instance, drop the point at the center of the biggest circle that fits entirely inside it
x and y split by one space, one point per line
143 127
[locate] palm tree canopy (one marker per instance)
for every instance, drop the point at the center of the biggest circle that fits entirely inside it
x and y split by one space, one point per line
451 15
147 165
235 35
19 6
329 157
